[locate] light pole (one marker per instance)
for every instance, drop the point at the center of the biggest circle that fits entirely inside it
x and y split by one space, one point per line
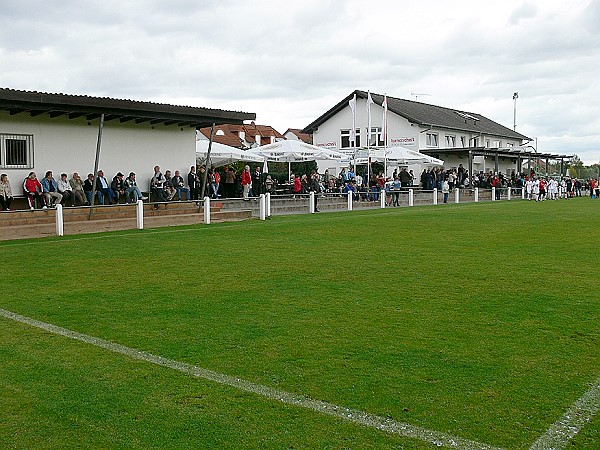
515 97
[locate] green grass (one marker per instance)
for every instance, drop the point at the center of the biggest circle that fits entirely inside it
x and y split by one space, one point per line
479 320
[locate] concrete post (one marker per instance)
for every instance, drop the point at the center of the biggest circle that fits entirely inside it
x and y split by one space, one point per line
262 203
435 196
139 212
411 197
508 192
457 195
268 198
493 194
476 194
60 224
207 210
349 200
382 195
311 200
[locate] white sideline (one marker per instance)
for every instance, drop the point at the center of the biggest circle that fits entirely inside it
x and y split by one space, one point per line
350 415
565 428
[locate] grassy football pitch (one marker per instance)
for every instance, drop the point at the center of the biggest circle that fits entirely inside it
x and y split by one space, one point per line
474 321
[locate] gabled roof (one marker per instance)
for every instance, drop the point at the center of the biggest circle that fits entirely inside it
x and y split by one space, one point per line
427 115
304 137
227 137
73 106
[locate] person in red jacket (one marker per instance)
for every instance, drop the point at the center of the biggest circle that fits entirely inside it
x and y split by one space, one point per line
33 191
246 181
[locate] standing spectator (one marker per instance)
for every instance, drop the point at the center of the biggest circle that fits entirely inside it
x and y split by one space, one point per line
315 186
6 195
256 182
64 188
396 186
230 178
179 185
50 189
34 191
246 181
77 188
132 190
103 188
445 190
117 186
297 185
192 179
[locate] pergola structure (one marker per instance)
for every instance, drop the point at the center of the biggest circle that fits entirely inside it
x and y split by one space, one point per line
519 155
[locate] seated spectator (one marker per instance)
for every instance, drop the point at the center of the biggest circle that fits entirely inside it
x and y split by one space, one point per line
169 188
88 187
269 185
6 195
117 186
179 185
157 186
50 189
64 188
34 191
132 190
77 188
103 189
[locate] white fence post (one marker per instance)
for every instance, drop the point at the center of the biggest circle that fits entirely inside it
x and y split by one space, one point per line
268 198
60 224
493 194
139 212
435 196
311 199
350 200
262 207
383 194
476 194
523 193
207 210
411 197
457 195
508 193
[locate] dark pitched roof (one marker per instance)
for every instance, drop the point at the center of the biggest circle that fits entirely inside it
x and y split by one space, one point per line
427 115
73 106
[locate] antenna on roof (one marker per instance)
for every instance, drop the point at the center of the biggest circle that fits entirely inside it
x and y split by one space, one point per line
416 95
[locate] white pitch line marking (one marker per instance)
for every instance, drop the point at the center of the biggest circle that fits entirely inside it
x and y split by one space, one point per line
350 415
571 423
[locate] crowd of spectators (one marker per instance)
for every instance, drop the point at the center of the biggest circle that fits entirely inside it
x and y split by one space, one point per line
227 183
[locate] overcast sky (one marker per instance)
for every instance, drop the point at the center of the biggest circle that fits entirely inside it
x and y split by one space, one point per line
290 61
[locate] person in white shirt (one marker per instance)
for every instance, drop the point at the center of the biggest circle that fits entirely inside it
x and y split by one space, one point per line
65 189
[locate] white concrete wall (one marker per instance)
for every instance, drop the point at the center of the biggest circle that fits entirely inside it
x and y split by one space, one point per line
64 145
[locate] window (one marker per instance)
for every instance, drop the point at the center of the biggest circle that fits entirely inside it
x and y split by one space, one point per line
16 151
432 140
450 141
487 143
376 137
345 139
497 144
463 142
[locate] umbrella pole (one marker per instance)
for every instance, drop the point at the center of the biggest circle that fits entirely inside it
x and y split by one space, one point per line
289 170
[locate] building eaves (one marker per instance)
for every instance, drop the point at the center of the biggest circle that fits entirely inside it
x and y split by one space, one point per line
73 106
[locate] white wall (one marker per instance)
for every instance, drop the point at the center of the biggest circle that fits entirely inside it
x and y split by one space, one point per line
64 145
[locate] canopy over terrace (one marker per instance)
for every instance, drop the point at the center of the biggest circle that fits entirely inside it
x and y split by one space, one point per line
296 151
221 154
397 154
519 155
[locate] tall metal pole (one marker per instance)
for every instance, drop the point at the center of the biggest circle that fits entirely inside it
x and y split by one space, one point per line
515 97
97 161
212 132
